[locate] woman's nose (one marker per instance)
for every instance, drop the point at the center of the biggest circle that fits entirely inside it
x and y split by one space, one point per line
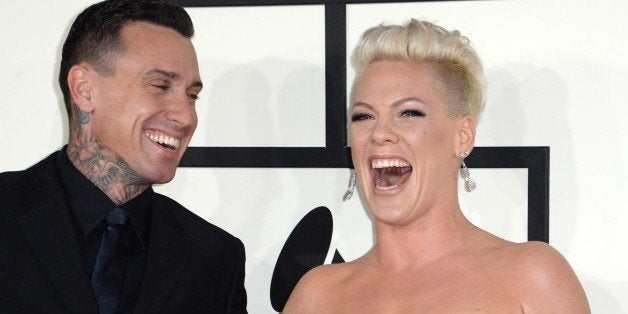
384 133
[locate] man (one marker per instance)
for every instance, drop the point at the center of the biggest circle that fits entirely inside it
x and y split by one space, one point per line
82 231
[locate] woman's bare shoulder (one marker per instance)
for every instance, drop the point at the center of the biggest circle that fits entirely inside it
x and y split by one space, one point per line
546 281
312 288
539 258
325 275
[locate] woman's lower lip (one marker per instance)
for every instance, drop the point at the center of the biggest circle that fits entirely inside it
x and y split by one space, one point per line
386 188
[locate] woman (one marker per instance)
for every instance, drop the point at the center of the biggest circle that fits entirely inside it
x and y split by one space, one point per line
417 97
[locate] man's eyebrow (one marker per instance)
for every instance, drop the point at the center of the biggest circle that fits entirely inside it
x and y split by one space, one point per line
157 72
171 75
198 84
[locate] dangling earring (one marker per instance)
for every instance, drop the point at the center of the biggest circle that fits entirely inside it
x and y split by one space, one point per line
351 188
469 184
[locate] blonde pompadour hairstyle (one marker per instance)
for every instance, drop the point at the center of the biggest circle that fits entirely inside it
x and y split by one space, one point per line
451 54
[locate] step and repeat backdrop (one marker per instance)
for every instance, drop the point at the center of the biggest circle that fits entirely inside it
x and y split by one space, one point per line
270 160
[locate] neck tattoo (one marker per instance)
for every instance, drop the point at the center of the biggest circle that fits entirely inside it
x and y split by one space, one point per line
101 165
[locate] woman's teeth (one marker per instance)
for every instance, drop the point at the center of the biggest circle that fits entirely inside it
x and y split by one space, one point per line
385 163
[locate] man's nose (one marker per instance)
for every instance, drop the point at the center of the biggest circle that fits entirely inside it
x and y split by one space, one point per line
182 110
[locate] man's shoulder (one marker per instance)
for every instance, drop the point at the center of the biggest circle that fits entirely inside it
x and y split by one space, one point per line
10 178
16 183
23 189
197 227
41 168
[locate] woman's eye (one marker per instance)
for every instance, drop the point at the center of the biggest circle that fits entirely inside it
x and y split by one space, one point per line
412 113
193 96
360 117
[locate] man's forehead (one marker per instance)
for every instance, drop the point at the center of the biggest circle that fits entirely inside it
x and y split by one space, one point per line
159 51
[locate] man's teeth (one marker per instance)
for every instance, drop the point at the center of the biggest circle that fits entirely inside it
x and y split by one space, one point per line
165 140
386 163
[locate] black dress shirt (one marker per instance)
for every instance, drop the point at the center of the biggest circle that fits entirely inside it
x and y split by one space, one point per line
89 206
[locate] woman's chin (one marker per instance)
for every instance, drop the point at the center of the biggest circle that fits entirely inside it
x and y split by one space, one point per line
390 214
391 204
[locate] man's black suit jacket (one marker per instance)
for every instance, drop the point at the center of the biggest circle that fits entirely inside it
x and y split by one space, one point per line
191 265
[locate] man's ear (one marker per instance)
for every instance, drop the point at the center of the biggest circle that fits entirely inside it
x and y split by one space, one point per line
465 135
79 83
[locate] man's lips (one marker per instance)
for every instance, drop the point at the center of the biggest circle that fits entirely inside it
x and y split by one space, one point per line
390 173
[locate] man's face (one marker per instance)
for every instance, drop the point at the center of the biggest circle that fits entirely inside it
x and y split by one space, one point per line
145 112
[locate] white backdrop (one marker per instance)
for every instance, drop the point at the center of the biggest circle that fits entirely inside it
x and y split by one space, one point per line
557 73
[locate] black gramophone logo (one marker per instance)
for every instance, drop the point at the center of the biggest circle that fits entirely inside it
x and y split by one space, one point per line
306 248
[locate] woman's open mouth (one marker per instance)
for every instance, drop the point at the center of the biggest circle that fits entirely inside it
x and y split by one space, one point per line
390 173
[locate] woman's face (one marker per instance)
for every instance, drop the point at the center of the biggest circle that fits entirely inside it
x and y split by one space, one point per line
403 143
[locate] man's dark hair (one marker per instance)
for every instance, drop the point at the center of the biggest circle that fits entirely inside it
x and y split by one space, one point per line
95 34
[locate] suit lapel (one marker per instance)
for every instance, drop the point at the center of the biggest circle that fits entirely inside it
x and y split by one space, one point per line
48 228
166 258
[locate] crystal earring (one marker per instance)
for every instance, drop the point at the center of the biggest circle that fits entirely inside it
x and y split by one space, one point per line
351 188
469 184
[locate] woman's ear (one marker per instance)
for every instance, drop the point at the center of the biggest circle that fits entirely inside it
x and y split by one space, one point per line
79 83
465 136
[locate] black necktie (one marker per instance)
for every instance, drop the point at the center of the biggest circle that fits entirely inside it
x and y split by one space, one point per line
109 269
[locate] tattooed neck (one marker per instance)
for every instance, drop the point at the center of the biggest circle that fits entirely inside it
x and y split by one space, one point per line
100 165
